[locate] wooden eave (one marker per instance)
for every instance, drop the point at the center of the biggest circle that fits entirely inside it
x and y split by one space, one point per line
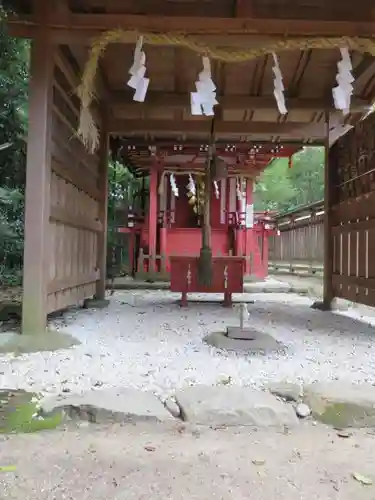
247 112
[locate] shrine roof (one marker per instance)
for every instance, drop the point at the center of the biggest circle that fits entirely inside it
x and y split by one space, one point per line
247 111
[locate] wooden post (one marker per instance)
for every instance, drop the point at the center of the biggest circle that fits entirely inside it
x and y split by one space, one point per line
38 183
103 209
328 293
328 237
152 218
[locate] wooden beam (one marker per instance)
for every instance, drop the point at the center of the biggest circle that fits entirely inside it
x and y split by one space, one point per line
312 131
123 101
94 24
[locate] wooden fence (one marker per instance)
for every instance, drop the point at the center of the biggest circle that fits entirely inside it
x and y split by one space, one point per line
298 246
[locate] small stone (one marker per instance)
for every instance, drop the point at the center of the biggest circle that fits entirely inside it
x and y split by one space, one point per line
366 481
302 410
258 462
150 448
344 434
173 408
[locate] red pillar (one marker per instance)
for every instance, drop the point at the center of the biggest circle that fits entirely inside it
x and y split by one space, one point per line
153 218
240 228
250 241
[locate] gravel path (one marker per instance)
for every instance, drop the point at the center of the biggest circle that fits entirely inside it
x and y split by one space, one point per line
145 340
149 461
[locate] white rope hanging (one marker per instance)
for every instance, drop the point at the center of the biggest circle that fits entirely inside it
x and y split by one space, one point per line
204 99
216 187
238 191
137 81
174 187
278 86
191 186
342 93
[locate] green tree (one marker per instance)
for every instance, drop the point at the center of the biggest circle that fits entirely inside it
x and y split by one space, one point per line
13 114
282 188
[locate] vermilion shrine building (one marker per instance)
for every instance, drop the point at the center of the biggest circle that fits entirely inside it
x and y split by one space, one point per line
66 193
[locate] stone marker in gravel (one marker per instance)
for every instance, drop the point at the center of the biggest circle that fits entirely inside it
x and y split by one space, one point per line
342 405
285 390
107 406
259 343
231 405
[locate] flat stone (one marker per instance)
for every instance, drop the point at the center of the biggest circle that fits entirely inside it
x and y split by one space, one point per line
233 406
286 390
262 343
236 332
108 406
96 303
342 405
50 340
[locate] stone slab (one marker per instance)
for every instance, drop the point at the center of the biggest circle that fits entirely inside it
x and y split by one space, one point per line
233 406
236 332
342 405
286 390
96 303
262 344
109 406
50 340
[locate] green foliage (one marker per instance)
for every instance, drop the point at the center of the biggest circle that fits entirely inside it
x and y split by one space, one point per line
282 188
14 64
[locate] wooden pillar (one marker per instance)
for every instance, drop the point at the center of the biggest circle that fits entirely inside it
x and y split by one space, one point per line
329 180
328 236
38 181
103 209
153 218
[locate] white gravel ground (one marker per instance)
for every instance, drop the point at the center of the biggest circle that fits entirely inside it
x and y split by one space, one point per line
145 340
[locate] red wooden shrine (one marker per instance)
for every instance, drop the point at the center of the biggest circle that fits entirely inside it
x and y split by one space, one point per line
165 239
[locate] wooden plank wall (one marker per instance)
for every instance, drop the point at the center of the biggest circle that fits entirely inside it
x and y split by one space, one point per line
300 243
75 198
352 159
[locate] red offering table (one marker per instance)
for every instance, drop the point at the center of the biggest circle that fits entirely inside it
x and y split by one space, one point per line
228 273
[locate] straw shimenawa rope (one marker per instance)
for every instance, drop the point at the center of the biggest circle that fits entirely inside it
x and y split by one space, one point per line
88 131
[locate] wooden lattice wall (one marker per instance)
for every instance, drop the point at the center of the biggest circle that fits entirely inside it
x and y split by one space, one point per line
352 166
74 198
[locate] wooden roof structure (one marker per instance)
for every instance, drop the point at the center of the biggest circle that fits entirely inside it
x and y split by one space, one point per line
247 109
66 185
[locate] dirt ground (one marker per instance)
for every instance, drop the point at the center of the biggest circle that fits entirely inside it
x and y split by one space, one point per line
147 460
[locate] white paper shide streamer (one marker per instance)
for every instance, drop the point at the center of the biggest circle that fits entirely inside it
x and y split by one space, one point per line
191 186
137 81
342 93
216 187
204 99
174 187
278 86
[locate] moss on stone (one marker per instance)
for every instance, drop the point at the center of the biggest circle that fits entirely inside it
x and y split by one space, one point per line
343 415
19 413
